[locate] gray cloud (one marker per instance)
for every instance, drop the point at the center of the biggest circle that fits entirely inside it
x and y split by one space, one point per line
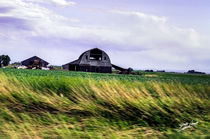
5 9
11 22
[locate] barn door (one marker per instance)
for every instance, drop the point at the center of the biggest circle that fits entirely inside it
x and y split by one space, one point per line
97 69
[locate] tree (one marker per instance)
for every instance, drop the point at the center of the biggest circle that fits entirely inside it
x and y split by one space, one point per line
4 59
0 61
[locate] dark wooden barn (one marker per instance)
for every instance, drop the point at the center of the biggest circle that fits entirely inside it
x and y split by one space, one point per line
34 62
94 60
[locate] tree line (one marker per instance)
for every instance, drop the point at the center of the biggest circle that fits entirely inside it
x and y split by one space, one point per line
4 60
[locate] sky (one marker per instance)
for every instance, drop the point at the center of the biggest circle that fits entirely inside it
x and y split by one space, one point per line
170 35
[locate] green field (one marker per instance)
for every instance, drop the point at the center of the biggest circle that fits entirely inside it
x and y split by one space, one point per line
156 77
61 104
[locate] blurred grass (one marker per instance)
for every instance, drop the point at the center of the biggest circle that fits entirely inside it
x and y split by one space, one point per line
85 107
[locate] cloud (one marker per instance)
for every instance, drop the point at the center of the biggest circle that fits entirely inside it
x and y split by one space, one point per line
42 21
5 9
140 15
154 31
54 2
11 22
125 30
133 38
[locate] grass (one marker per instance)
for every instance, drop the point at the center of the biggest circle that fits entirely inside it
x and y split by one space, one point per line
56 104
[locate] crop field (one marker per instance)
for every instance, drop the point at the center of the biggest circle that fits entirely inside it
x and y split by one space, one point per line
61 104
158 77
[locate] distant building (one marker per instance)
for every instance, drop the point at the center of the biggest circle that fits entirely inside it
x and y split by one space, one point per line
34 62
161 71
149 71
94 60
195 72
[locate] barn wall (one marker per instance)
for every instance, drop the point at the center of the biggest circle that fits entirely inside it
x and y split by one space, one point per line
90 69
66 67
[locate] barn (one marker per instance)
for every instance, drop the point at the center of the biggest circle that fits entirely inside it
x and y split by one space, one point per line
94 60
34 62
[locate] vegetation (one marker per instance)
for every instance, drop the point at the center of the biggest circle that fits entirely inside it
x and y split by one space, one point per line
136 76
4 60
58 104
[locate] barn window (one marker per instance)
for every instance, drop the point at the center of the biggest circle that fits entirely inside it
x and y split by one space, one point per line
95 54
87 57
104 58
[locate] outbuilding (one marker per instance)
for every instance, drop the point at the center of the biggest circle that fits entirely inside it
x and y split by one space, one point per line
34 62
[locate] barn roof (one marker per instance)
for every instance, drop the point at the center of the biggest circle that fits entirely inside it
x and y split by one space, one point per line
35 57
75 62
90 50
